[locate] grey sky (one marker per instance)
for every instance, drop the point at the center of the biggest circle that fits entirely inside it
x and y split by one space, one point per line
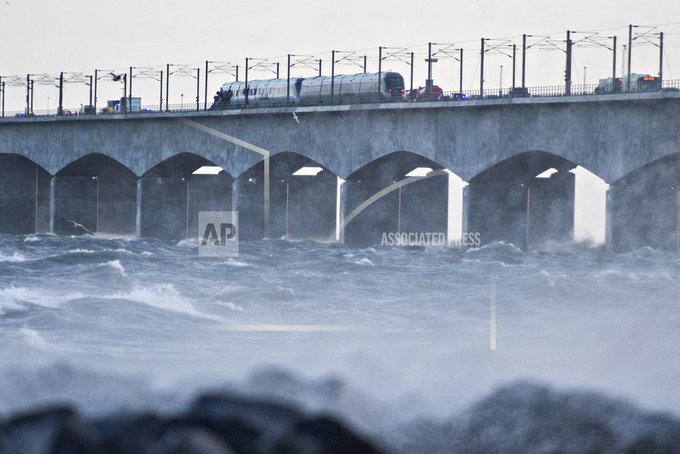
47 36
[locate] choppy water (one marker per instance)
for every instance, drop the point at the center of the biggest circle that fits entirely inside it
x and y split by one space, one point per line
112 322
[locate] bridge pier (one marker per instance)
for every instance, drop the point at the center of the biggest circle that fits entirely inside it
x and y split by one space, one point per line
644 208
302 200
24 196
509 203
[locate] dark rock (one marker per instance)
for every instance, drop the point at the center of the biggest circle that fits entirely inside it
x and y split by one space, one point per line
55 430
262 415
193 441
131 434
530 418
319 435
216 424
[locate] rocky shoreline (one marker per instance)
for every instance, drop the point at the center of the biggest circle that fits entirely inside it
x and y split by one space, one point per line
283 413
215 424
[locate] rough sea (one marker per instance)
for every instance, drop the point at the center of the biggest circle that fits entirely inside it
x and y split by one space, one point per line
383 337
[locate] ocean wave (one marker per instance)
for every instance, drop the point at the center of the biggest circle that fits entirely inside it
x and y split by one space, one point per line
16 257
164 296
20 298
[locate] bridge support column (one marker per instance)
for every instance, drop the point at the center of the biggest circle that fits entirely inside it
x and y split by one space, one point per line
138 209
341 202
53 203
24 196
645 213
234 194
466 210
608 222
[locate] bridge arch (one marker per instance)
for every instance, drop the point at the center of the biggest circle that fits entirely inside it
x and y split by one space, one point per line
303 199
24 195
525 199
424 206
175 190
96 191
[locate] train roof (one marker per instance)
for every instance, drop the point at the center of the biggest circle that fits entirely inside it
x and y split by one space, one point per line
317 80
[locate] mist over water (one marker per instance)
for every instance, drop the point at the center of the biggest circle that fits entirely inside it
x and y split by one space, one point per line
109 323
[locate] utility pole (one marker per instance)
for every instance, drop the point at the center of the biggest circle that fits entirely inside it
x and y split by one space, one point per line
332 74
630 45
514 58
247 88
96 78
198 89
379 67
428 82
412 62
205 96
660 60
90 104
28 94
288 82
160 94
460 83
60 109
614 59
567 69
481 71
129 106
524 60
167 87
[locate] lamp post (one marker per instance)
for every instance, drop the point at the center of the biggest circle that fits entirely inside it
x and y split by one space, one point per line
585 82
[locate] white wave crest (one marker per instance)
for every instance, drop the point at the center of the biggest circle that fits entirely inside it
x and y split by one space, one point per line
16 257
15 298
116 265
163 296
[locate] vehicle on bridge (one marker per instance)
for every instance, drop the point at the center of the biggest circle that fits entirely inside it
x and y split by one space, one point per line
638 83
423 94
311 90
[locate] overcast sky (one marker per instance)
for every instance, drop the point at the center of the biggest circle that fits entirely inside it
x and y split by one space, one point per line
48 36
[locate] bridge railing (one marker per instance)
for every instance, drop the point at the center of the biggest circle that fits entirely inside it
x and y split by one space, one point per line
494 93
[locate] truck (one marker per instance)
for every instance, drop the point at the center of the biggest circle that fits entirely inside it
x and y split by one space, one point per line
638 83
123 105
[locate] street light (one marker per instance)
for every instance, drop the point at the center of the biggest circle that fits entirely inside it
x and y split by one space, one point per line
584 75
181 106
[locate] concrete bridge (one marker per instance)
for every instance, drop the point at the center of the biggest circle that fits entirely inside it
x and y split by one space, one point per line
134 174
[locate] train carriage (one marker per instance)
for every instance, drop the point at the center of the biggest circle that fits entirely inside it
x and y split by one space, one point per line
312 90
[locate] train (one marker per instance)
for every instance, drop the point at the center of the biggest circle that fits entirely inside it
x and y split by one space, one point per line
311 90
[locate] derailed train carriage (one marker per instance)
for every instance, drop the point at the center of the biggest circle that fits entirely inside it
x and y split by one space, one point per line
341 89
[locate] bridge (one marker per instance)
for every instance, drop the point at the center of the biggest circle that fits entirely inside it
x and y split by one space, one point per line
135 174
